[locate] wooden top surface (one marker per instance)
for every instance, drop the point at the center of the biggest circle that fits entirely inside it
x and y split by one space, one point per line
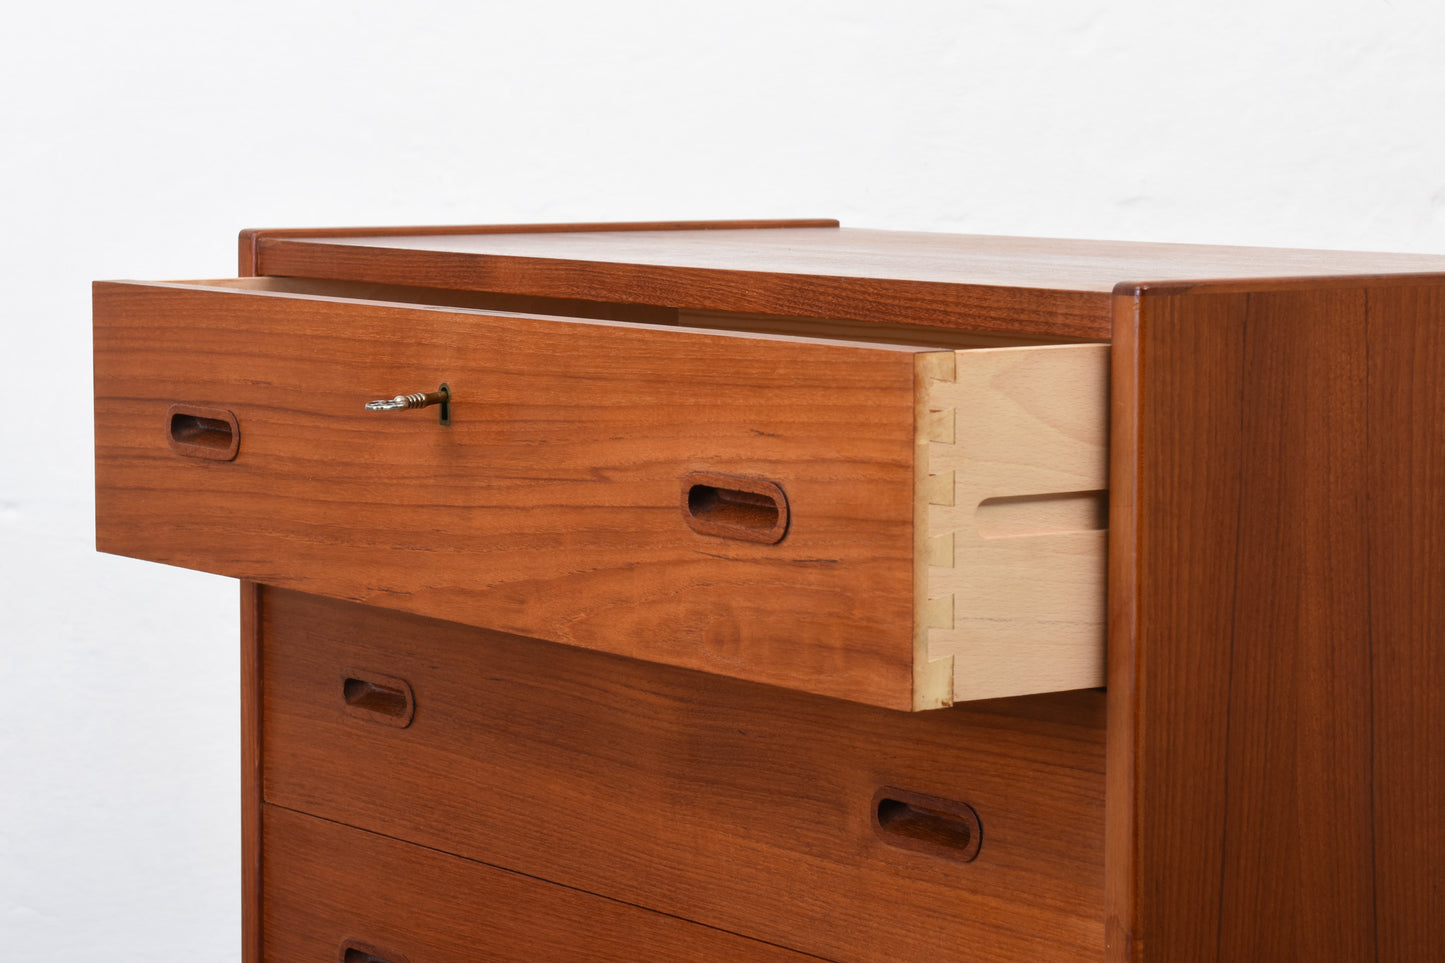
1071 265
1031 286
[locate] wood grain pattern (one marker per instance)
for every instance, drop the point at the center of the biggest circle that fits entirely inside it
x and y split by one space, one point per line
741 806
1027 287
1251 739
1275 740
439 297
822 328
1122 654
851 330
700 274
549 507
1405 328
329 886
568 449
251 789
251 237
1024 437
1300 651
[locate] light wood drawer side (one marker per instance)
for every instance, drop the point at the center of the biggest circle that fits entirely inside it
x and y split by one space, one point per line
1010 521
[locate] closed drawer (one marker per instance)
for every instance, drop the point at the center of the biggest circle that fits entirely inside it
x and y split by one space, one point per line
896 525
839 830
333 894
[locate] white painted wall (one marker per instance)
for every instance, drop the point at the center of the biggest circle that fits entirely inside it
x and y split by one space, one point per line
139 137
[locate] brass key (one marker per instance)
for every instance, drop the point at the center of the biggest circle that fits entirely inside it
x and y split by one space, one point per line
421 399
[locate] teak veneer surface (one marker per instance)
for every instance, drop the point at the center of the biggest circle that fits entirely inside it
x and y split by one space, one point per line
252 803
1275 742
1022 286
742 806
1276 736
251 237
330 887
550 504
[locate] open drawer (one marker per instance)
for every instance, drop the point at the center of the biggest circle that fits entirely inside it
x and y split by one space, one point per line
899 525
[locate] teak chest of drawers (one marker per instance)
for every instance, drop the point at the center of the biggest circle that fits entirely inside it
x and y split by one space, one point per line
780 591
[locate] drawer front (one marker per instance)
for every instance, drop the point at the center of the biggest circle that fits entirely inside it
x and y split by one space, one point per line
832 828
898 526
558 503
333 894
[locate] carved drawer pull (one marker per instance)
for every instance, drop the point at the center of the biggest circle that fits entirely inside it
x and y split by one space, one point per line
378 698
354 951
927 824
203 432
751 509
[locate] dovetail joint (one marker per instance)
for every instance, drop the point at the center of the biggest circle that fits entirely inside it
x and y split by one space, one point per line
938 613
940 488
938 426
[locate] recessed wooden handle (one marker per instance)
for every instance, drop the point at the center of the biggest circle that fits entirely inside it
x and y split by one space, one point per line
751 509
378 698
354 951
203 432
927 824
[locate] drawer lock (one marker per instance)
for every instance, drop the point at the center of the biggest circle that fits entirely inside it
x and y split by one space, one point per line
442 397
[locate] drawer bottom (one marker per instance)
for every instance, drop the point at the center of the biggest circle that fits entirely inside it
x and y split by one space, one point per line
333 893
